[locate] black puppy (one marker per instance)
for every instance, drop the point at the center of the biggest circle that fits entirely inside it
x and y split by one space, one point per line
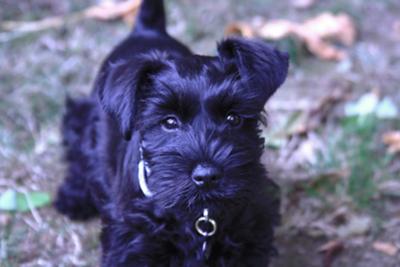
167 151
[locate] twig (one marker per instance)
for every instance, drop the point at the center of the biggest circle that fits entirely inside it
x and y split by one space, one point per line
320 112
32 209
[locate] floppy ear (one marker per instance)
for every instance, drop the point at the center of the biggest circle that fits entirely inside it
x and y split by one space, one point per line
260 67
120 86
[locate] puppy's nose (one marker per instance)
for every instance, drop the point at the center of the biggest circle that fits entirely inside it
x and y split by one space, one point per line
205 174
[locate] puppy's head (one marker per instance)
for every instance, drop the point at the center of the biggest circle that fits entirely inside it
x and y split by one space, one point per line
198 119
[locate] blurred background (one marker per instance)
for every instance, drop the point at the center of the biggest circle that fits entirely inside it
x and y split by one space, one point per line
332 143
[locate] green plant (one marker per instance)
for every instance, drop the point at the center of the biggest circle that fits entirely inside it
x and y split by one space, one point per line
353 149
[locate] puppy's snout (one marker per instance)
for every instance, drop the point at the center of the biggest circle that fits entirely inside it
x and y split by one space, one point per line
206 174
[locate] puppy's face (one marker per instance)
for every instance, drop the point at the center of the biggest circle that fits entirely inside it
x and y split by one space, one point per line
198 120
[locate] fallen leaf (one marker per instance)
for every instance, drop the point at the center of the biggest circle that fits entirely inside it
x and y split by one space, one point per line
365 105
275 141
370 103
8 200
386 248
330 250
319 33
331 246
390 188
392 140
302 181
240 28
105 10
357 225
12 200
386 109
110 10
29 200
308 151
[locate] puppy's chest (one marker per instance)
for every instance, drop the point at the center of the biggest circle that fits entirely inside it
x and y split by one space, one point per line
180 245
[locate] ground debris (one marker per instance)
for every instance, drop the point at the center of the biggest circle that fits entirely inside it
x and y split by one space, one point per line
392 140
356 226
298 138
331 246
105 10
385 247
390 188
372 103
330 250
318 33
343 224
110 10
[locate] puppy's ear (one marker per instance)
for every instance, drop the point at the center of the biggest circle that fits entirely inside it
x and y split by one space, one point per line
259 66
120 87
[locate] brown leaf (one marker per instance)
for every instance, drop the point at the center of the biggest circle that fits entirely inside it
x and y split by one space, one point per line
332 245
108 10
392 140
317 33
330 250
385 247
240 28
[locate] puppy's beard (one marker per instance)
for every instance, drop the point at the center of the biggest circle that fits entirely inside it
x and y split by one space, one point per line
185 196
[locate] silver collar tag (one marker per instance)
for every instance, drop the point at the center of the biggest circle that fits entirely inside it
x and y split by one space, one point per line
206 227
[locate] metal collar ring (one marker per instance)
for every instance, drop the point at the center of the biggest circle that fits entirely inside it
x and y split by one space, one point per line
211 228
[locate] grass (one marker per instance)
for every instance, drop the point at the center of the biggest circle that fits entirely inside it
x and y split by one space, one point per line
357 149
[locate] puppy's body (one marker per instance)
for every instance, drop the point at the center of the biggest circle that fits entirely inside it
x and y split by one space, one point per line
195 118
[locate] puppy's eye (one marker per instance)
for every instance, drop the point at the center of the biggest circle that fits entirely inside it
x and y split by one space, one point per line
233 119
170 123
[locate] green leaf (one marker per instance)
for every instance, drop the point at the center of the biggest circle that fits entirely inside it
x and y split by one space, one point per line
370 104
8 200
275 141
32 200
387 109
12 200
364 106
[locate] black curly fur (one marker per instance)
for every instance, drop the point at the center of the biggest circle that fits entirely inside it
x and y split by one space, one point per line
80 142
150 77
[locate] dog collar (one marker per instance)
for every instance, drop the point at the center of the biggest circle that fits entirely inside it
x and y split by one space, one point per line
206 227
143 173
